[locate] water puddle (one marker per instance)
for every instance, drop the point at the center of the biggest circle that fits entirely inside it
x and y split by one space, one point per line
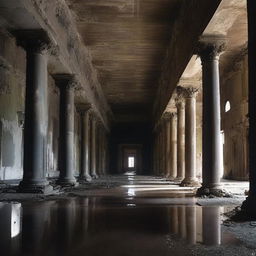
100 226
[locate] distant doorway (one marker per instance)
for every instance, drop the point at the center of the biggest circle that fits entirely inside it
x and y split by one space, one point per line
130 158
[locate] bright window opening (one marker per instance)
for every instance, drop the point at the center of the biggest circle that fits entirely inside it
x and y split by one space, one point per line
227 106
131 162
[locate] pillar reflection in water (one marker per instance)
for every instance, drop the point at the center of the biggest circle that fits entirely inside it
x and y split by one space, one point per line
191 224
36 223
174 220
182 221
10 226
211 226
65 224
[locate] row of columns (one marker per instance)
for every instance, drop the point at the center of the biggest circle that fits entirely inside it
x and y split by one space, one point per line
177 140
34 179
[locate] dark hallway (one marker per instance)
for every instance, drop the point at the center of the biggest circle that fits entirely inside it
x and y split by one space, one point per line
127 127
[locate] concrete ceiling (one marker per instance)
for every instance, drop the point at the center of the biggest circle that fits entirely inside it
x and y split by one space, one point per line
128 41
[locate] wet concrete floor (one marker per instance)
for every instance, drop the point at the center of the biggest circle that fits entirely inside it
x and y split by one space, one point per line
122 222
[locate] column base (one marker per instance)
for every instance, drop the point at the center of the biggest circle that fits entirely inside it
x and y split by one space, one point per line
35 188
171 178
2 184
212 191
179 179
190 183
85 178
95 176
67 182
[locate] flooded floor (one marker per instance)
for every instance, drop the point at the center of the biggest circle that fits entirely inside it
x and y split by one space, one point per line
141 217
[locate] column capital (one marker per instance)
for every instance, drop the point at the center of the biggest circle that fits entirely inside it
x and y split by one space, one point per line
179 100
83 108
169 115
173 115
180 103
190 92
35 40
210 46
68 81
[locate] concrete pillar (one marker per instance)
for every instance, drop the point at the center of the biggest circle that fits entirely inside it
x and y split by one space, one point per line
36 44
84 111
249 205
180 104
158 151
190 138
66 84
164 144
209 49
167 152
162 148
99 149
173 146
93 147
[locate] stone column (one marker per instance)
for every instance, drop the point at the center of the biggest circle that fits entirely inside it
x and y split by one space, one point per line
93 147
249 205
173 146
180 104
66 84
36 44
104 153
158 152
209 49
190 138
85 110
162 148
167 152
99 149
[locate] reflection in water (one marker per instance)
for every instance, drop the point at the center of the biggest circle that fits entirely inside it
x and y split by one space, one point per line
15 219
10 227
211 226
74 226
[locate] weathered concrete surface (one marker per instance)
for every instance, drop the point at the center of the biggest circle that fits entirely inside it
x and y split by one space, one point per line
12 84
70 55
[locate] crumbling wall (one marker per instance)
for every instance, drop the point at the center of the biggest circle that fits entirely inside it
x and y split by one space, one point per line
12 95
235 121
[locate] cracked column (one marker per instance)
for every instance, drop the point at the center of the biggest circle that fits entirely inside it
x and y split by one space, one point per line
93 147
66 84
249 205
36 44
180 105
190 138
209 50
84 110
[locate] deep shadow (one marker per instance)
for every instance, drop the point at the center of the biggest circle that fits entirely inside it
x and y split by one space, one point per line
132 133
